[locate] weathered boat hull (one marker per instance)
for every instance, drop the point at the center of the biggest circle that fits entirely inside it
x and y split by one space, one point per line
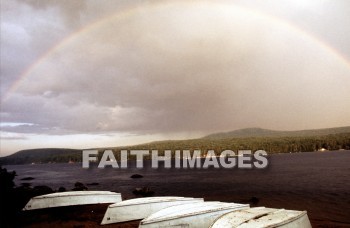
72 198
196 215
263 217
140 208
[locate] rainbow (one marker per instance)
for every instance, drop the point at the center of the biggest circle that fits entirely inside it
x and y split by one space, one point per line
129 12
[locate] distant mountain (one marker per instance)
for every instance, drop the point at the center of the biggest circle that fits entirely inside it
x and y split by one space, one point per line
41 156
250 138
259 132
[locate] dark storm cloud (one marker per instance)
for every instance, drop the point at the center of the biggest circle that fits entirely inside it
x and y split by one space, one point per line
170 68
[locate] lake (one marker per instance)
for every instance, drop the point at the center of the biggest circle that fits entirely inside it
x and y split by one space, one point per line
315 181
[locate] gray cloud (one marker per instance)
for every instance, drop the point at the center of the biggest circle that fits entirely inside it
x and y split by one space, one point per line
71 11
321 18
170 68
13 138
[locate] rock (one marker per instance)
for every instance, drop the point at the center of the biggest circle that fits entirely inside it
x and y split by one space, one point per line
6 180
79 187
145 191
42 190
254 200
62 189
28 178
26 185
136 176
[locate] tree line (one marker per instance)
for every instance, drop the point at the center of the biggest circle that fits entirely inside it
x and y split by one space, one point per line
270 144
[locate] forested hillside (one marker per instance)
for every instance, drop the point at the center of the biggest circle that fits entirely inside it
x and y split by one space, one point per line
245 139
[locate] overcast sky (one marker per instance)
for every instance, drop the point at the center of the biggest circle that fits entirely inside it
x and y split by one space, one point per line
96 73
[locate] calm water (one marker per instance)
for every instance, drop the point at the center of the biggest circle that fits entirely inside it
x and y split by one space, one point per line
317 182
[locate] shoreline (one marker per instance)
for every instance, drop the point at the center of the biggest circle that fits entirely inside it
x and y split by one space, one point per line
148 158
315 182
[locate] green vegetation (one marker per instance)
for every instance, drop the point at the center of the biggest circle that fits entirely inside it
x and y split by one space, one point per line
259 132
42 156
246 139
269 144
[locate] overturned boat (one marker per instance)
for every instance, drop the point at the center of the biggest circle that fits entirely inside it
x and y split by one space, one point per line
196 215
263 217
140 208
61 199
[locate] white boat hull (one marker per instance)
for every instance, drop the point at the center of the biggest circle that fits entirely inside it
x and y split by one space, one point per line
140 208
262 217
196 215
72 198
